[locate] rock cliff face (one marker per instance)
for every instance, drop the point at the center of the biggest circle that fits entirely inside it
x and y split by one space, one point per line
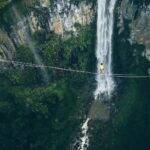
140 31
6 46
139 17
60 17
64 18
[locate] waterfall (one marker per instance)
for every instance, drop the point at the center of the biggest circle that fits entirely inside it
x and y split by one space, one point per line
105 83
84 139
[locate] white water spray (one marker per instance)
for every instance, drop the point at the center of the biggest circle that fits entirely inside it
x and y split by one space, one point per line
84 139
105 84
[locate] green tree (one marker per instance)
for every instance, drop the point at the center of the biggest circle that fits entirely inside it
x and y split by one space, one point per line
3 3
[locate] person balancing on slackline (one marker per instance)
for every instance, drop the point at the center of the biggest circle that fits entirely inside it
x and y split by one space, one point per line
101 68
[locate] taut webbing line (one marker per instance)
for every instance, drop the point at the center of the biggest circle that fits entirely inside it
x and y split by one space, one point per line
19 63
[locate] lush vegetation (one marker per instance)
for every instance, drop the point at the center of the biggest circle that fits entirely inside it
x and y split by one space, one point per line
39 116
3 3
35 115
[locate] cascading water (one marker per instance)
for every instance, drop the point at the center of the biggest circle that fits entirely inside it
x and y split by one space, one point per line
84 139
105 83
28 40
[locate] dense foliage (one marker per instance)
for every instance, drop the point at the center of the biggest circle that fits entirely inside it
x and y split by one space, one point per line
35 115
3 3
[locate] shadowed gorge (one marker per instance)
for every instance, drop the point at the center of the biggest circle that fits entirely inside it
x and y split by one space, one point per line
74 74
